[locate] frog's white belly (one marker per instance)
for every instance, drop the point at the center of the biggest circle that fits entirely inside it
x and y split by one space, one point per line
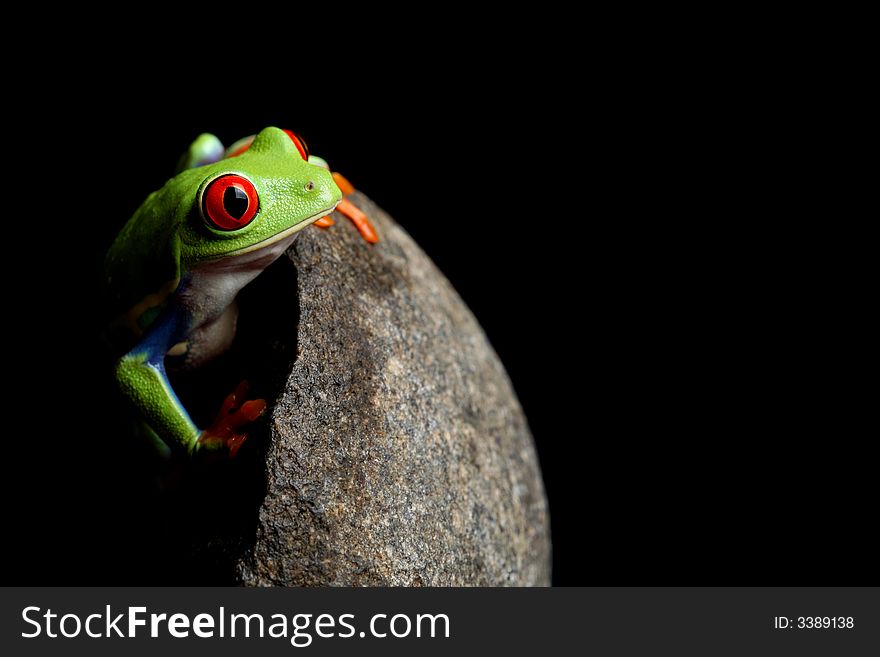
210 298
207 341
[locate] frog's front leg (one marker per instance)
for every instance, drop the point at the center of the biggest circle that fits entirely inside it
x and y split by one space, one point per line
354 213
346 207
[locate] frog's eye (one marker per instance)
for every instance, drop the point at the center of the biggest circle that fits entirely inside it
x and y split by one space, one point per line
300 144
229 202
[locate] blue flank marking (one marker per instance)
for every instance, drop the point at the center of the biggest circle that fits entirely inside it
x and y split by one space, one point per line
170 327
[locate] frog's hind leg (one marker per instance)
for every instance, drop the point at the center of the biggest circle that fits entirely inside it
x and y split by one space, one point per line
144 432
206 149
234 413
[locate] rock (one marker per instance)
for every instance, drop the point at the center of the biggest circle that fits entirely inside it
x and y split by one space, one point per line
398 454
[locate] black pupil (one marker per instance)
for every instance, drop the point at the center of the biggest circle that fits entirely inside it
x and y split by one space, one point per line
235 201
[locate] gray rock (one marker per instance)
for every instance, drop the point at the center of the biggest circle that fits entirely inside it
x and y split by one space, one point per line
399 455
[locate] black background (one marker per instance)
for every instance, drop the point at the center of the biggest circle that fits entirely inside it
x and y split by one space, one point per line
660 325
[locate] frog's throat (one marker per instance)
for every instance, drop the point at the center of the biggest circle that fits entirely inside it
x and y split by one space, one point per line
269 241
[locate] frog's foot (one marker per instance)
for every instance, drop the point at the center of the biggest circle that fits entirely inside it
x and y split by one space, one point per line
342 183
350 210
233 414
359 219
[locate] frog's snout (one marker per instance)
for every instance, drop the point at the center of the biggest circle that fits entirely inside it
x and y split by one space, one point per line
323 182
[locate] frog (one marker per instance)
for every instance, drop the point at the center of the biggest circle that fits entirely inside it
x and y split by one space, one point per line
174 272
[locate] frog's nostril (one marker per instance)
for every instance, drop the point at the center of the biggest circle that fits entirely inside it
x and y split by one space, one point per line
310 186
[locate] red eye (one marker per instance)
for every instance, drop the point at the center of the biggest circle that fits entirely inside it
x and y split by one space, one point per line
300 144
230 202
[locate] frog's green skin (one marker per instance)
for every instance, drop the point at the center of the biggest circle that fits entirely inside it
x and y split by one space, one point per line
172 278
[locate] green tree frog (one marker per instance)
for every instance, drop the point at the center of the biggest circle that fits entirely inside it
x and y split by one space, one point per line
175 269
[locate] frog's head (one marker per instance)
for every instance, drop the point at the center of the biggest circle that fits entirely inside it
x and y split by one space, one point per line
253 200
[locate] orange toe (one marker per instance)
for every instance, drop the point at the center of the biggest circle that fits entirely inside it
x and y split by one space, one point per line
359 219
233 414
